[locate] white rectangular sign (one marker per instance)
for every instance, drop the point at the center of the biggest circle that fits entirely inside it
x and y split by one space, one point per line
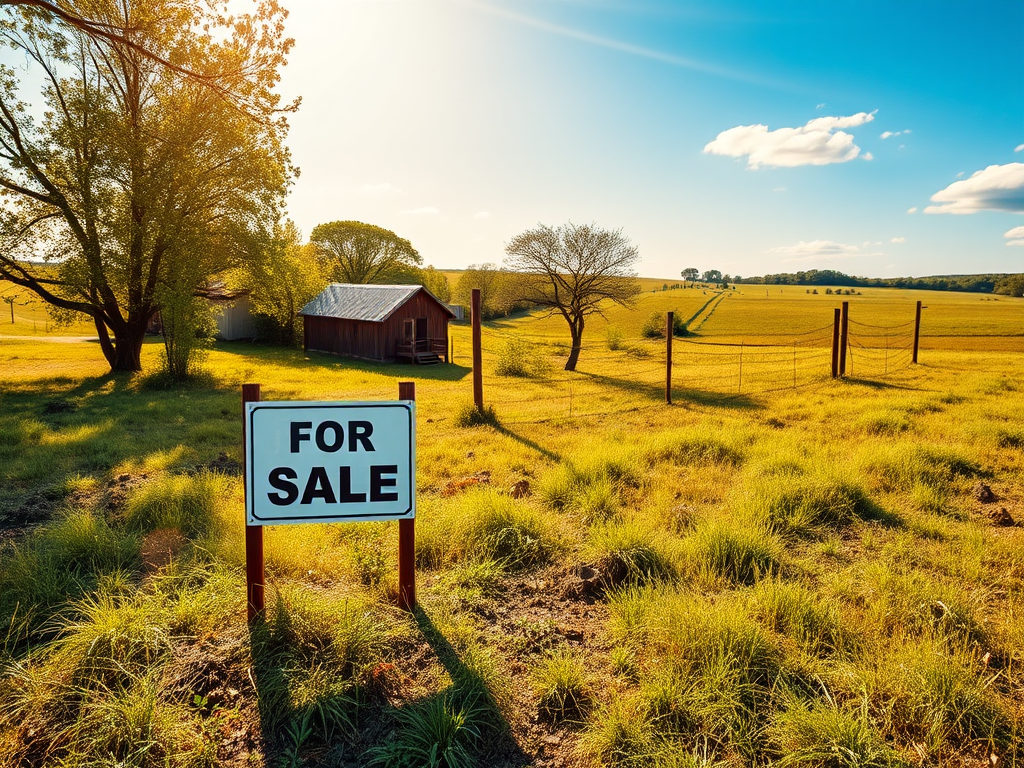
313 462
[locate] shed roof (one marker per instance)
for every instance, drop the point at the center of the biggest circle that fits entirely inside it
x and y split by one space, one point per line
371 303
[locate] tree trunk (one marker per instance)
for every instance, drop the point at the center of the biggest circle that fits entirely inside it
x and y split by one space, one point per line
124 353
576 331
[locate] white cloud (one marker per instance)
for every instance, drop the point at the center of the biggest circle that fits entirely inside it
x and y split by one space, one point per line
890 134
868 156
778 189
428 210
899 240
820 106
819 142
820 250
380 190
961 174
482 215
1015 236
1019 148
912 209
996 188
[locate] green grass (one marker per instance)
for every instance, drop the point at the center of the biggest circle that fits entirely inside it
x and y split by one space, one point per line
800 576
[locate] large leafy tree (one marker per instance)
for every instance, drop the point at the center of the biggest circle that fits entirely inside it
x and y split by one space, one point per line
354 252
138 182
575 270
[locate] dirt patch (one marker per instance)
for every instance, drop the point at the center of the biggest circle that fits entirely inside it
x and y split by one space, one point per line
984 493
457 486
160 547
120 488
1001 517
225 465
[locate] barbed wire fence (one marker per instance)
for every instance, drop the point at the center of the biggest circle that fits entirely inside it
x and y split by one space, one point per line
632 375
875 351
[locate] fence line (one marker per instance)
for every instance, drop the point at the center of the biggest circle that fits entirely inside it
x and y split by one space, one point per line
632 377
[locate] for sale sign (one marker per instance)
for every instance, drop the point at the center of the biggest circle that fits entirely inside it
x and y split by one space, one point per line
309 462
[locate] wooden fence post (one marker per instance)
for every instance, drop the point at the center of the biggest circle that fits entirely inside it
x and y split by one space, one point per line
917 331
478 374
255 576
844 337
835 344
407 534
668 358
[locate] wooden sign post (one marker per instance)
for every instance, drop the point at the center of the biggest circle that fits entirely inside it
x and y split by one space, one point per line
329 462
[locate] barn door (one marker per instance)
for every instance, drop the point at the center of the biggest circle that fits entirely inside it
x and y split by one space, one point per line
409 330
421 333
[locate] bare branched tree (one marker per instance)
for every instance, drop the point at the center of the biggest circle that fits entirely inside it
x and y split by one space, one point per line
575 270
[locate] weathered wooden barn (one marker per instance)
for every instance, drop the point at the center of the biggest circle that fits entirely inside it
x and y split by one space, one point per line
377 322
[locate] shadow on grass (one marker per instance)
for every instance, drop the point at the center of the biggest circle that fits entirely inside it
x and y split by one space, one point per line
290 356
498 746
657 392
528 443
876 384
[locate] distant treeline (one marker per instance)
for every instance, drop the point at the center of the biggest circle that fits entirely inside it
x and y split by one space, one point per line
1007 284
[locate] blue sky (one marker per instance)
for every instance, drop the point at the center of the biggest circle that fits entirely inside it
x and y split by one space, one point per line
750 137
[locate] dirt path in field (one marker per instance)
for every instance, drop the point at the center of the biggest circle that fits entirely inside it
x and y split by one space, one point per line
54 339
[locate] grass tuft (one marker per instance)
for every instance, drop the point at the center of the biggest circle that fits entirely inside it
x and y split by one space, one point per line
483 524
468 415
187 503
800 505
824 735
717 550
561 685
439 732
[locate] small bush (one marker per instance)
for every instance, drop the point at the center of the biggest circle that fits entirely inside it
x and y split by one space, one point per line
520 358
468 415
614 337
654 327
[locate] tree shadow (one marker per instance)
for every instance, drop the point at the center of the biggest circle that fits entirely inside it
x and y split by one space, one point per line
299 359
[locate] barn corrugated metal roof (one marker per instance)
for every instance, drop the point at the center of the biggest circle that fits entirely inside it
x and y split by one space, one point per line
372 303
